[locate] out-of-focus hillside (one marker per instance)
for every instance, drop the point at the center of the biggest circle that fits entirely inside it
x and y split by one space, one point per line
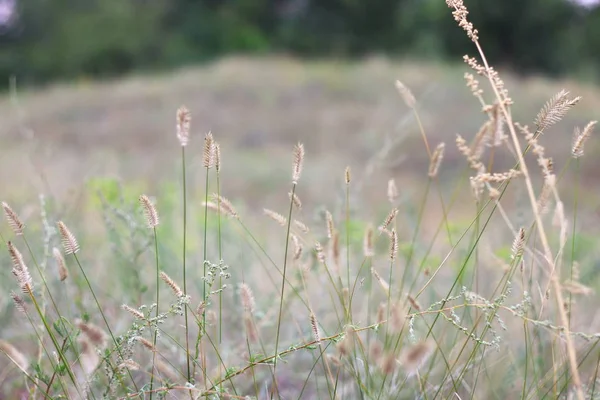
52 140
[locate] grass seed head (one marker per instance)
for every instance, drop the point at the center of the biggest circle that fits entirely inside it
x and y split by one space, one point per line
13 219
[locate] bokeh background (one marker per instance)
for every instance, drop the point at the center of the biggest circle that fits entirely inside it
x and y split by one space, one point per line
91 87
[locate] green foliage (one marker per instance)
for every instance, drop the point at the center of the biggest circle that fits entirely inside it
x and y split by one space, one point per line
72 39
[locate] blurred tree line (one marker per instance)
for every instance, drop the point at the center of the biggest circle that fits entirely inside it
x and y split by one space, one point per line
41 40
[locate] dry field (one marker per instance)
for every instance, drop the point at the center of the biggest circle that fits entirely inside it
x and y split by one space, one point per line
91 148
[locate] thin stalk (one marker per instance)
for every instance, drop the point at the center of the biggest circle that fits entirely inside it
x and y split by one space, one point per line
157 305
104 317
283 280
187 339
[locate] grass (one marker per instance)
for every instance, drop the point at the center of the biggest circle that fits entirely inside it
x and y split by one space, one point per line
471 276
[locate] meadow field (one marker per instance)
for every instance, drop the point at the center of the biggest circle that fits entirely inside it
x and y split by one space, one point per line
327 247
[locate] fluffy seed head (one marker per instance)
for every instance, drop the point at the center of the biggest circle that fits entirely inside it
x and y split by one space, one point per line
13 219
301 226
280 219
320 252
295 199
149 211
297 247
20 270
208 155
183 125
93 333
347 175
393 245
406 94
330 225
384 285
217 156
368 243
146 343
555 109
396 318
251 330
392 191
63 273
335 248
69 241
136 313
298 163
15 355
130 365
375 351
88 356
247 298
388 220
416 355
315 326
436 160
224 205
518 244
381 313
387 363
579 139
174 287
414 303
19 302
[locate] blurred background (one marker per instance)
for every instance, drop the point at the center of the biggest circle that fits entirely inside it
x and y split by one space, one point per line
90 88
45 40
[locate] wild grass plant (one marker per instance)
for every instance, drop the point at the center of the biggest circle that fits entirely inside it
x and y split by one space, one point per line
197 305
